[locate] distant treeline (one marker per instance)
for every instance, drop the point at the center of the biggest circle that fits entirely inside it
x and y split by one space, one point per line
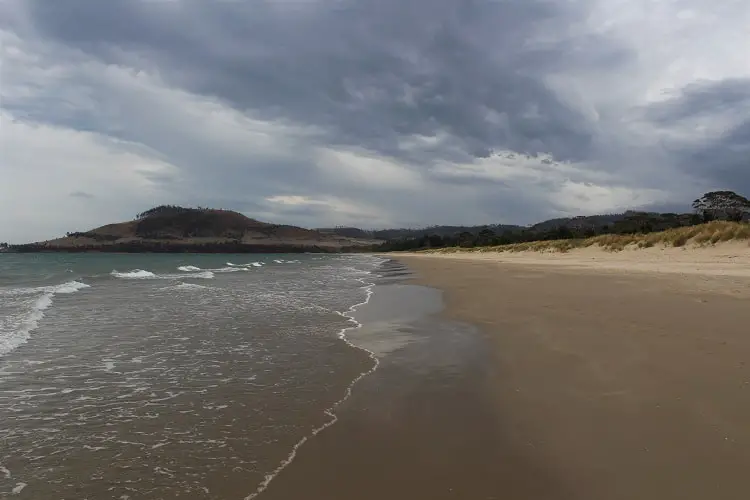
579 227
716 205
163 210
402 233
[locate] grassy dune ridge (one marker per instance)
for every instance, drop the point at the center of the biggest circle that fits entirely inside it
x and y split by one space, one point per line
699 235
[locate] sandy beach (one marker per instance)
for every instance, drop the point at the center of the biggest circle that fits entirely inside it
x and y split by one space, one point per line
590 377
622 375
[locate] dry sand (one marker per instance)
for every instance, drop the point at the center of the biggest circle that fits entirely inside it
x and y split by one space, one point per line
621 376
726 259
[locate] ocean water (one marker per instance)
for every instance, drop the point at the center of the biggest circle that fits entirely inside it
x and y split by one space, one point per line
170 376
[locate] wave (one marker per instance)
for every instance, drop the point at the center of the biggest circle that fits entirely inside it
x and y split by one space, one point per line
70 287
188 268
250 264
135 274
203 275
228 269
191 269
15 329
142 274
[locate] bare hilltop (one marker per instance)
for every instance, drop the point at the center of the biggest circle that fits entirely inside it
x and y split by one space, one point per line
170 228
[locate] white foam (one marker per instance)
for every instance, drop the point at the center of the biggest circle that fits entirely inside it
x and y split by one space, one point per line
135 274
208 275
21 327
330 412
141 274
19 488
188 268
228 269
5 472
70 287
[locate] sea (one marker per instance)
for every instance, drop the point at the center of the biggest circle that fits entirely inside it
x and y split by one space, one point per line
190 376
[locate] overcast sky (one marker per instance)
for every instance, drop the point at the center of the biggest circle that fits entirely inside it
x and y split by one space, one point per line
368 112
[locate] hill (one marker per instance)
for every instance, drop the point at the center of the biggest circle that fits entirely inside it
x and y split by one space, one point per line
180 229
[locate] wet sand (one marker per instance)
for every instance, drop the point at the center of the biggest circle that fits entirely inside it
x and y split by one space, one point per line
571 384
424 425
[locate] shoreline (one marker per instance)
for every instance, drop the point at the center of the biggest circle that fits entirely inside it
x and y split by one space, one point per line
421 425
330 411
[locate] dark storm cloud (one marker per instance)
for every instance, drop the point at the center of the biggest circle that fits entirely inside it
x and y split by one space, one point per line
725 161
369 72
410 112
702 99
723 157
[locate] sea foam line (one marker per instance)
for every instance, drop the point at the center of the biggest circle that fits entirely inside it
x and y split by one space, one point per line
329 411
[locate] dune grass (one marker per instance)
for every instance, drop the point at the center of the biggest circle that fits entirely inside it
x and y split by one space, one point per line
699 235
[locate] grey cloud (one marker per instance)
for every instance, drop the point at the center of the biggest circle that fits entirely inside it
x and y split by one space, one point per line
81 194
702 99
721 159
478 74
724 162
368 71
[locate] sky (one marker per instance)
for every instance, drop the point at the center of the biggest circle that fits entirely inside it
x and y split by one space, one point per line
372 113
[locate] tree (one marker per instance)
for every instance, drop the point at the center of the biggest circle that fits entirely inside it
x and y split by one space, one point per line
466 239
485 237
436 241
722 205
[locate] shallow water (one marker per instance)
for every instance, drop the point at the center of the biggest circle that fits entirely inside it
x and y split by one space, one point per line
165 376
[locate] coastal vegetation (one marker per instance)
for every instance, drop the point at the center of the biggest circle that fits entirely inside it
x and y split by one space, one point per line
708 233
717 216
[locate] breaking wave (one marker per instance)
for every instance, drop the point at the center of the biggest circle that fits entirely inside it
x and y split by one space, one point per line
141 274
26 308
135 274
